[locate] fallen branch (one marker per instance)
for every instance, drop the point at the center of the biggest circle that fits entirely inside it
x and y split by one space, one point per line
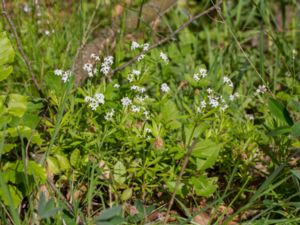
166 39
20 48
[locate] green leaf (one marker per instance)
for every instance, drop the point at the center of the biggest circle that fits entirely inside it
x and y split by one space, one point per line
203 185
16 196
37 171
295 129
119 172
280 112
75 157
17 105
63 162
296 173
108 214
46 209
280 131
206 153
127 193
52 165
7 55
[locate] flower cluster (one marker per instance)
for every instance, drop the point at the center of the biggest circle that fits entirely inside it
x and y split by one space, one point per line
65 75
106 65
133 75
164 88
261 89
109 115
95 101
144 47
202 74
89 68
227 81
164 57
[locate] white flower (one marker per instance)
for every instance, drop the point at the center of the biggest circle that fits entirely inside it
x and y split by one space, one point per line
116 86
87 67
95 57
47 32
134 87
130 77
164 57
109 60
106 65
224 107
108 116
100 98
136 72
140 98
93 103
135 108
134 45
140 57
213 102
227 81
147 130
250 116
66 75
58 72
261 89
203 104
26 8
142 89
209 90
88 98
146 114
105 70
196 77
126 101
146 47
203 72
199 110
164 87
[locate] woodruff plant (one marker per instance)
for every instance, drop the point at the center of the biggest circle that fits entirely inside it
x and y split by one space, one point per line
144 123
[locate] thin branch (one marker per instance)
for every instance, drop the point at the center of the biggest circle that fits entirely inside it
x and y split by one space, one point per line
20 48
184 165
166 39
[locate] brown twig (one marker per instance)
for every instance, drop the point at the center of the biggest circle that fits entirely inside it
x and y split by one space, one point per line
184 165
20 48
166 39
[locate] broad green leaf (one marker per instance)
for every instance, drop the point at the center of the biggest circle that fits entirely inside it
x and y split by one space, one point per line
119 172
7 55
75 157
203 185
108 214
37 171
17 105
52 165
295 129
63 162
15 194
127 193
296 173
206 153
279 111
25 132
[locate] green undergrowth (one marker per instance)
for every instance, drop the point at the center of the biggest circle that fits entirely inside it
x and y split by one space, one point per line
110 151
